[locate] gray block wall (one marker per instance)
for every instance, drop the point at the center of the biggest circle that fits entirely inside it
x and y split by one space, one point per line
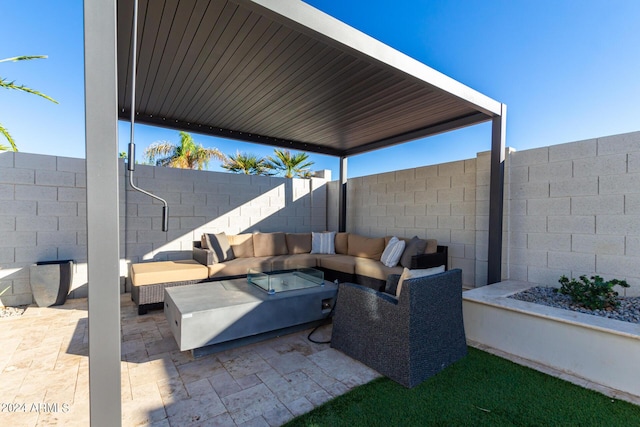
570 209
43 214
575 210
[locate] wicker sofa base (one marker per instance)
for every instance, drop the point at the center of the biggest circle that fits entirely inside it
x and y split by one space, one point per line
151 297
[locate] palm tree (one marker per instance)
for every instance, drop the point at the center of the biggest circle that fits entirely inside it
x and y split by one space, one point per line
187 155
291 165
4 83
246 163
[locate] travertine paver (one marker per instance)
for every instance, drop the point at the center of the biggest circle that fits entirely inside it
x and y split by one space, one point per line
44 372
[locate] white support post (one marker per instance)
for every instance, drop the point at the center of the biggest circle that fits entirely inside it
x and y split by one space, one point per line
103 247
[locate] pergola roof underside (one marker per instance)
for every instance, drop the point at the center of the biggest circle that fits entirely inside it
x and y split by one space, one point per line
219 68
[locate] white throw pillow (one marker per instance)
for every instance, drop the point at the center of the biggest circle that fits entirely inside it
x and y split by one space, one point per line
392 253
323 243
413 274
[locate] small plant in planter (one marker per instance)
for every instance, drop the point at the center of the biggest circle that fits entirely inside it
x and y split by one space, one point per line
594 293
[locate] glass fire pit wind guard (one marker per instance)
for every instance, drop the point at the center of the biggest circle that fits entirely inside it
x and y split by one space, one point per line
274 282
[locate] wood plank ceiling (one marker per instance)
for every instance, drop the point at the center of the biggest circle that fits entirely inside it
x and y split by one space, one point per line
240 70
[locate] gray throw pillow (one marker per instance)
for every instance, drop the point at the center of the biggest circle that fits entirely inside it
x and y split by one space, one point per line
219 244
415 246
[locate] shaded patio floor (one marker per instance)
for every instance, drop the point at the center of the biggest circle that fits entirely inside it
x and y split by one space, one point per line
44 372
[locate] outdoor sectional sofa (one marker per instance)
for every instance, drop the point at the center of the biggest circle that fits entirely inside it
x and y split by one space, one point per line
356 258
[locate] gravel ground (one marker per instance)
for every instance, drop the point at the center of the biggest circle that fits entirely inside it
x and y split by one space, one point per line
12 311
627 311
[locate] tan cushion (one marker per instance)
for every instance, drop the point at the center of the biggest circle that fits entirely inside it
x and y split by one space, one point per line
414 274
283 262
269 244
150 273
239 266
299 243
376 269
432 246
242 245
365 247
342 243
343 263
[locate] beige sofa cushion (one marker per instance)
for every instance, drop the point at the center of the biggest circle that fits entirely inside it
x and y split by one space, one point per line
376 269
286 262
342 263
365 247
432 246
342 243
239 266
269 244
149 273
298 243
241 244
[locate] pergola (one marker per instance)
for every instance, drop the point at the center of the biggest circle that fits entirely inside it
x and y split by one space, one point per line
267 71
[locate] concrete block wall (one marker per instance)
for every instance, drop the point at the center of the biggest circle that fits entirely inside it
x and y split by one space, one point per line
214 202
570 209
575 210
436 202
43 214
42 218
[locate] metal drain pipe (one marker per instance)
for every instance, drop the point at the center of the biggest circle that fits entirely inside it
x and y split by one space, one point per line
131 164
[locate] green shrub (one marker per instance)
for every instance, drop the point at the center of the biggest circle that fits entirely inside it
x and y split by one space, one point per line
592 293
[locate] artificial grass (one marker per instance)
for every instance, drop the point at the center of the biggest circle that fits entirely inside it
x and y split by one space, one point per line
479 390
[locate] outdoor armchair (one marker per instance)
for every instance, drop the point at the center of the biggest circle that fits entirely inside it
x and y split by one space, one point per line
409 338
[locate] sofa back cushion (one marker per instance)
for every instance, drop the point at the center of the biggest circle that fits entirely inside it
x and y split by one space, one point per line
298 243
269 244
365 247
432 246
242 245
341 243
219 244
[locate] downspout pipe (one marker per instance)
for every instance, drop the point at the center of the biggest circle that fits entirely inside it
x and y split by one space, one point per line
131 164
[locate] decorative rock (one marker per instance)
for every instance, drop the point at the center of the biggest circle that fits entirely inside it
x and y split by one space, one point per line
628 309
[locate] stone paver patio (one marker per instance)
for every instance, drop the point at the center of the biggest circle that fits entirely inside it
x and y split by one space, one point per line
44 372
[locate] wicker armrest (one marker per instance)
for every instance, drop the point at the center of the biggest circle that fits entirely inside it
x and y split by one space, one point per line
441 257
203 256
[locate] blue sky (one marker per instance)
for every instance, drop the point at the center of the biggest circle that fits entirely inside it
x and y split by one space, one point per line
567 69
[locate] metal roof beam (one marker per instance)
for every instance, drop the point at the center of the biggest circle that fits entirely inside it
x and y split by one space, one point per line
232 134
442 127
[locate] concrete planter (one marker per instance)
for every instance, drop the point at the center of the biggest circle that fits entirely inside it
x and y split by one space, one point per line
50 282
601 350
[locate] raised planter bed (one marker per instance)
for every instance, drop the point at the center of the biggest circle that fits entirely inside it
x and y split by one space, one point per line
601 350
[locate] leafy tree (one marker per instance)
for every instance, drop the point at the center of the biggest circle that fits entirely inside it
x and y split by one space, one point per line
246 163
187 155
290 165
4 83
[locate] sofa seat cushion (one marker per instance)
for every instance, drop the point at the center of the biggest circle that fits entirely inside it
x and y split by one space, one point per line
150 273
286 262
239 266
342 263
375 269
